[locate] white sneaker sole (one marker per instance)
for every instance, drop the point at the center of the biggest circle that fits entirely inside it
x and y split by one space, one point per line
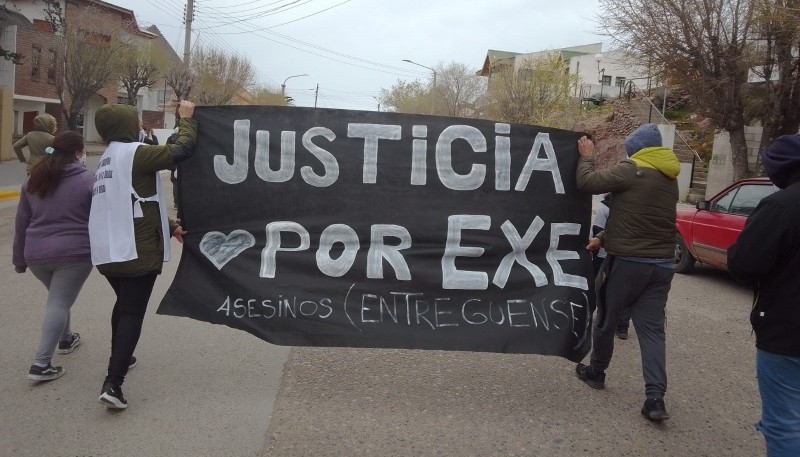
46 377
111 402
69 349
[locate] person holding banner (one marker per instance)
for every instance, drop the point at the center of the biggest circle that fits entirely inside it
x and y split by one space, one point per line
640 241
129 229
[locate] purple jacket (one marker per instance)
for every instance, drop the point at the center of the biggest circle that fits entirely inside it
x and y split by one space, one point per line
55 229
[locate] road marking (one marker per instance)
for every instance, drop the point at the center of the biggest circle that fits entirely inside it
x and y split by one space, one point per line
6 195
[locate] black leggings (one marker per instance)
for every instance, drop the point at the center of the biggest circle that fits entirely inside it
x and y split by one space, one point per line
126 321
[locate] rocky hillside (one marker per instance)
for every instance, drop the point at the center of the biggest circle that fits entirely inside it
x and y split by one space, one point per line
609 128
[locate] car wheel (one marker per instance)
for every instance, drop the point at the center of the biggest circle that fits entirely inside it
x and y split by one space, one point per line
684 262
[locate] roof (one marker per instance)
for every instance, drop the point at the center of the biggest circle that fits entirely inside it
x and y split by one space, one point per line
493 57
8 17
164 43
125 12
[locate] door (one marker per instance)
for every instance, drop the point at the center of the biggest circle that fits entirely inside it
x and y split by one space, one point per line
718 228
27 121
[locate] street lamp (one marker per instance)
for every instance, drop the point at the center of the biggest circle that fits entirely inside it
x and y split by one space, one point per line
283 86
379 103
434 78
601 73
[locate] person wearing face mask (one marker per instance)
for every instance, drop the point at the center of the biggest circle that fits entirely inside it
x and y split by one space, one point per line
52 240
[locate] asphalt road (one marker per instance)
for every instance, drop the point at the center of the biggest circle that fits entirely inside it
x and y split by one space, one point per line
205 390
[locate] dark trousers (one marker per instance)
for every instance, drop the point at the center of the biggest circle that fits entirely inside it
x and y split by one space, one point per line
642 288
625 314
126 321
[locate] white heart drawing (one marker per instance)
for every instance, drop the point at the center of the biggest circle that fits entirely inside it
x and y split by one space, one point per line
220 248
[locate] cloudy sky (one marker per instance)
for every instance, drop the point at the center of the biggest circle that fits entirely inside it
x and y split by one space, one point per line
353 48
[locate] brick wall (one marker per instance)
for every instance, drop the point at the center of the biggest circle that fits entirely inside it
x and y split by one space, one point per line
154 119
28 38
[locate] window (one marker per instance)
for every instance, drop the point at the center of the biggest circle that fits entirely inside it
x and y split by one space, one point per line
51 68
723 204
606 80
748 197
620 81
743 199
36 62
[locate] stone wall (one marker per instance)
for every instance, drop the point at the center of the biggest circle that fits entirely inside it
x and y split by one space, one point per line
720 167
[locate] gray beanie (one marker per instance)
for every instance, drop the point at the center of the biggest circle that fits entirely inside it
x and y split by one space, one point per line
646 136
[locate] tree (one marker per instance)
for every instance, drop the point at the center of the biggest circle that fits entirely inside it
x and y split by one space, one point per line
181 80
458 90
218 77
537 92
268 96
88 59
778 27
406 97
141 67
705 47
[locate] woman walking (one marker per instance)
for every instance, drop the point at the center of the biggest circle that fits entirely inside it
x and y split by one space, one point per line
52 239
129 228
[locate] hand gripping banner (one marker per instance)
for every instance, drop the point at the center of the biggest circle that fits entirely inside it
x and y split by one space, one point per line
318 227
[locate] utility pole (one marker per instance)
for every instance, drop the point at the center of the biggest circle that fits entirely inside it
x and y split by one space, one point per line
187 46
316 94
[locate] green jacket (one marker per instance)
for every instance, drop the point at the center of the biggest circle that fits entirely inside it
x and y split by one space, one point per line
644 192
44 126
121 123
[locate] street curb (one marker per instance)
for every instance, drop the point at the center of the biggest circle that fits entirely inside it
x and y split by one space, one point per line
6 195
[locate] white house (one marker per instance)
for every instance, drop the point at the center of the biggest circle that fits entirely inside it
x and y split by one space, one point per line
600 74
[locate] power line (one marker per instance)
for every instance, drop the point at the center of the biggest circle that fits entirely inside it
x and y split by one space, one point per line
269 12
398 71
293 20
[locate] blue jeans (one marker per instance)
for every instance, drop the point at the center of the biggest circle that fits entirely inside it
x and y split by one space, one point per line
779 386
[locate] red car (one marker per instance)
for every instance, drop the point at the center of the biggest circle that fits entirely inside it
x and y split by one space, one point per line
706 232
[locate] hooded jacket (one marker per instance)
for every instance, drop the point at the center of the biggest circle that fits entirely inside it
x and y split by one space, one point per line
644 190
44 126
767 255
121 123
54 229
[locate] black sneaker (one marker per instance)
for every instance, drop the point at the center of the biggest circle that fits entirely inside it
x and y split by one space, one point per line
132 363
47 373
112 397
594 379
622 333
655 410
67 346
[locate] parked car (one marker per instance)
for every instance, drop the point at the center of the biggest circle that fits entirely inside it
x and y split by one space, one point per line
706 232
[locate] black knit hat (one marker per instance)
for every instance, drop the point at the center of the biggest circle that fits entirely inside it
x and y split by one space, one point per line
782 159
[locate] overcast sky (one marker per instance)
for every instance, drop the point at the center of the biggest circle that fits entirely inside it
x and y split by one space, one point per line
353 48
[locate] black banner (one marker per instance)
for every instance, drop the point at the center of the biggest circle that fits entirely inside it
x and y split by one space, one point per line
317 227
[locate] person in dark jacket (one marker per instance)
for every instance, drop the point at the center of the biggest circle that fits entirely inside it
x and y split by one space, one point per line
129 228
52 239
639 239
147 136
767 255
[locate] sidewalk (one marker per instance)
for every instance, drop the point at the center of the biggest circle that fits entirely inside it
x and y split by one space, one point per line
12 172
